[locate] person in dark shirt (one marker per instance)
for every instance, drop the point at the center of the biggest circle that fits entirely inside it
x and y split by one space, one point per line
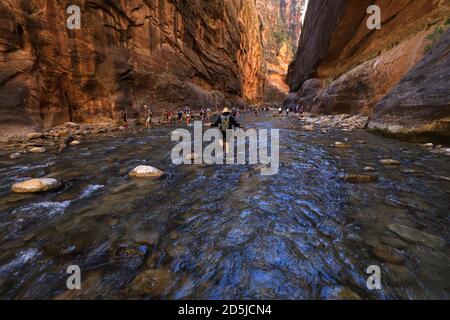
125 118
225 122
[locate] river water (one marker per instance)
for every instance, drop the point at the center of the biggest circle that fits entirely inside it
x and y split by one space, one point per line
227 232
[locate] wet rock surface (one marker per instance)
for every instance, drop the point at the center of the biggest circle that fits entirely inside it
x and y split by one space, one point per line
36 185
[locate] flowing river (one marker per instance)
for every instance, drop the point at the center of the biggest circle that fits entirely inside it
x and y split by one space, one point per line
228 232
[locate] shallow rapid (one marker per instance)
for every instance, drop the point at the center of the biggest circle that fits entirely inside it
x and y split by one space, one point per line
227 232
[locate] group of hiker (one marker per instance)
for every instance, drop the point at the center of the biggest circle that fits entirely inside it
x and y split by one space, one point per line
184 114
295 109
226 120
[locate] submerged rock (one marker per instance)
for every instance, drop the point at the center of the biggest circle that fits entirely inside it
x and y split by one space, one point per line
428 145
390 162
388 254
36 185
369 169
15 155
147 238
417 236
359 178
75 143
151 282
174 235
146 172
339 293
394 242
399 275
341 145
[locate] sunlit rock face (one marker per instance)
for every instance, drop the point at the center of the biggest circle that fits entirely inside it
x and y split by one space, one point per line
419 106
357 67
128 53
280 33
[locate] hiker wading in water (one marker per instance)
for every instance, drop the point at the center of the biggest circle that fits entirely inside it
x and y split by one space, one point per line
148 116
225 122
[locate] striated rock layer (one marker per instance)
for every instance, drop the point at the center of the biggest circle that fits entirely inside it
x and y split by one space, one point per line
127 53
344 67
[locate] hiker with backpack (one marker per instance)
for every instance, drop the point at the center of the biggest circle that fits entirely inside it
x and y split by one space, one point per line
225 122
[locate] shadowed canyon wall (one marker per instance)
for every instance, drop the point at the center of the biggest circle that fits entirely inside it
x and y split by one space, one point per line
344 67
127 53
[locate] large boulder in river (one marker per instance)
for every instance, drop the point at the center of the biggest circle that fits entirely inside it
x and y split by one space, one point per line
146 172
36 185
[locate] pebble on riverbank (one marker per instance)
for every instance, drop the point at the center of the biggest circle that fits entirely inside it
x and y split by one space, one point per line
345 122
146 172
36 185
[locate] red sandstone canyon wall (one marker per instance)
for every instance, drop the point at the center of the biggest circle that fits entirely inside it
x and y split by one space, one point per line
127 53
344 67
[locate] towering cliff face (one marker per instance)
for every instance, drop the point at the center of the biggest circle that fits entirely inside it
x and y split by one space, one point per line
280 33
127 53
419 106
344 67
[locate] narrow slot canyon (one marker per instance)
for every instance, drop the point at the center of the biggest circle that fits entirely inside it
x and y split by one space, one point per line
225 149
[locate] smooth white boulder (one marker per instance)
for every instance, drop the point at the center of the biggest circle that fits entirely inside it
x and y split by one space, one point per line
36 185
15 155
146 172
36 135
75 143
37 150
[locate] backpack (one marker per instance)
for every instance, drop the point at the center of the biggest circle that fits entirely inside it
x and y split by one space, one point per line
224 123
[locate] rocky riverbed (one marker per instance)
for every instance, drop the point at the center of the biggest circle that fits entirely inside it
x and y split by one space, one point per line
343 200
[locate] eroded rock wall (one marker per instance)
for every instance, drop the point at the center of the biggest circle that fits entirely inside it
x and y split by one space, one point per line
127 53
419 106
355 66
